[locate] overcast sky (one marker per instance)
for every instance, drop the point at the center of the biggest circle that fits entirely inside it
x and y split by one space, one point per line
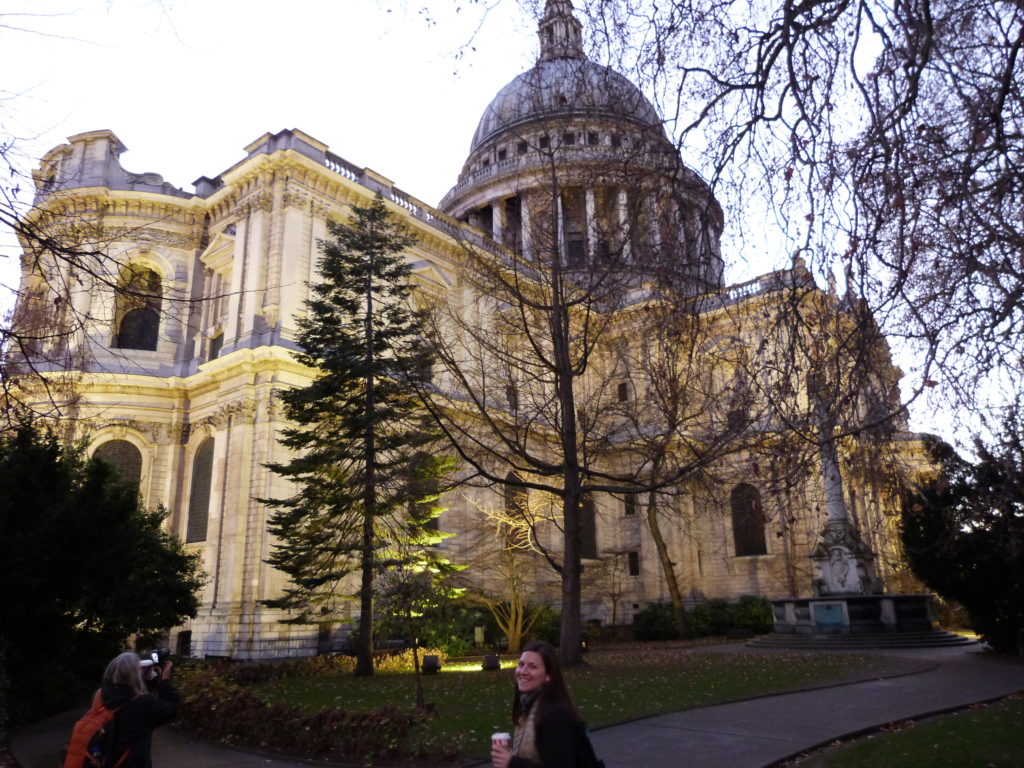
186 84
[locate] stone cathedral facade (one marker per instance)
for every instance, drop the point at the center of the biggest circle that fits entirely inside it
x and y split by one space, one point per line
189 328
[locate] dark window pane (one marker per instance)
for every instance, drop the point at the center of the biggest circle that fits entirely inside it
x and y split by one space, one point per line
512 397
124 458
634 563
199 498
748 521
576 254
139 329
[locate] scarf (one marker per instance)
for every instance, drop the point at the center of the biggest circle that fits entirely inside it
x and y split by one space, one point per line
524 743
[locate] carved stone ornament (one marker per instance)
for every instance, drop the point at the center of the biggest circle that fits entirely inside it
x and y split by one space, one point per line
150 236
276 405
295 199
844 562
244 409
120 427
179 432
261 201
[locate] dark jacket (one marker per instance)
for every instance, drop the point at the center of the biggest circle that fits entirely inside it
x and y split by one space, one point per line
558 739
137 717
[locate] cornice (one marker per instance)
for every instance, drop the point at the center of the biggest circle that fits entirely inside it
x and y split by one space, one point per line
103 200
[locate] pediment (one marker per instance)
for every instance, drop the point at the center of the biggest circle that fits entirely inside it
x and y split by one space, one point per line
219 252
429 273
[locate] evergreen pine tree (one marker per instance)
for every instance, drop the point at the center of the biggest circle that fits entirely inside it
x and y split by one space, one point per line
364 468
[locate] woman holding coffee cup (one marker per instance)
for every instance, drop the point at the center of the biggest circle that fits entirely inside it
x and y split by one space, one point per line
548 731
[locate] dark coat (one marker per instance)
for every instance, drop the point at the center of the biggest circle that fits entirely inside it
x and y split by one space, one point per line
137 718
558 739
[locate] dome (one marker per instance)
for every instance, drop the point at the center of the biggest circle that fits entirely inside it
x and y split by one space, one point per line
564 87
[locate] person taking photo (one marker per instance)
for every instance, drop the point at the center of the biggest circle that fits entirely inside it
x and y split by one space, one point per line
139 711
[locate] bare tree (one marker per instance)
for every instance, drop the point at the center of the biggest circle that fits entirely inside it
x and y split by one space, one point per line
884 137
516 341
610 579
581 352
503 567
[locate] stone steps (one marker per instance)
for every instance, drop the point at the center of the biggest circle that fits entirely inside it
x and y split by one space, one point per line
865 640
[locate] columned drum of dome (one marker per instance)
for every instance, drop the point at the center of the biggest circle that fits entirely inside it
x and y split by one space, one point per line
575 130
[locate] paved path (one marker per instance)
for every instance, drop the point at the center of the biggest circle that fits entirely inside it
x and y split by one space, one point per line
749 734
761 732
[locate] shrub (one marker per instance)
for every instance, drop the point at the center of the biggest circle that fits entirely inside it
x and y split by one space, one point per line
547 625
655 622
709 618
403 661
217 707
950 614
254 673
452 629
449 627
753 613
718 616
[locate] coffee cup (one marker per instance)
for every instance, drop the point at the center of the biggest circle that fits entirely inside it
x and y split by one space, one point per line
503 739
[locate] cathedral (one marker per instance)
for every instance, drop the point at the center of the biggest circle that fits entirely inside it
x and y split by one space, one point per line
185 324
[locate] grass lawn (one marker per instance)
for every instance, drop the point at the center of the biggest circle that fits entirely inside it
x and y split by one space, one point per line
991 736
615 687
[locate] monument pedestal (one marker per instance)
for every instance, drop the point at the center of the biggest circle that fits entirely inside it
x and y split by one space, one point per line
853 614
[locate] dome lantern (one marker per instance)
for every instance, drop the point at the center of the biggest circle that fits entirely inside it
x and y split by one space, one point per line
561 34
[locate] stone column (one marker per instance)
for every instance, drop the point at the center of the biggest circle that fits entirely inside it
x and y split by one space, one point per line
653 229
560 231
591 200
524 217
498 221
844 562
622 208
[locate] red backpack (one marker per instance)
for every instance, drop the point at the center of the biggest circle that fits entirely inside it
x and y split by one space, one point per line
92 739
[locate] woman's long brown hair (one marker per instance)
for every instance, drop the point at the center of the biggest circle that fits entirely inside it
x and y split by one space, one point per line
554 690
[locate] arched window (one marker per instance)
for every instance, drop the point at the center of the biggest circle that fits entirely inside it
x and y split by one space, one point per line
588 529
748 521
138 306
199 497
124 457
515 525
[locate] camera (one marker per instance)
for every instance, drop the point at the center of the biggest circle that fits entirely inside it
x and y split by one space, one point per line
150 666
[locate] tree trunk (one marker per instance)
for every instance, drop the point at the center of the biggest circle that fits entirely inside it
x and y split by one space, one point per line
570 646
421 699
571 649
667 566
364 649
364 659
